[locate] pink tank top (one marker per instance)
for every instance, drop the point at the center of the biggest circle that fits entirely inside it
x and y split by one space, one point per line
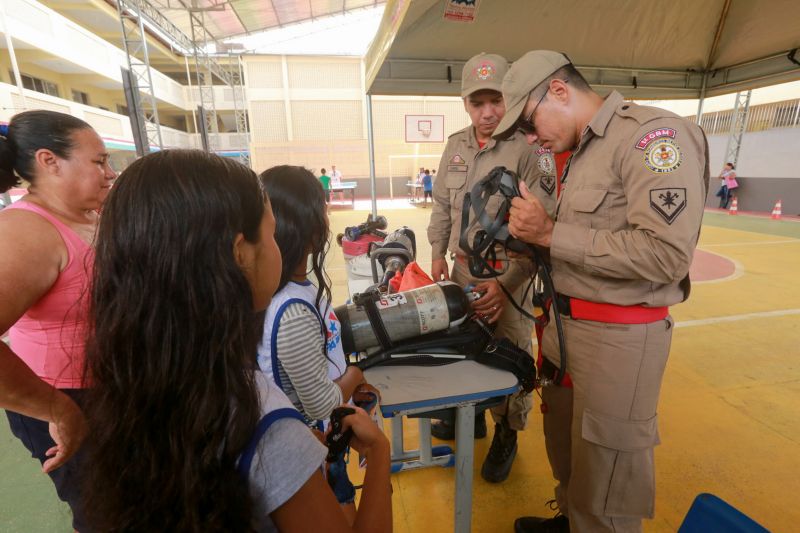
49 337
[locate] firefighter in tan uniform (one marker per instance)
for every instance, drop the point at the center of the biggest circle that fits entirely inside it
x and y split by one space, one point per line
469 156
626 226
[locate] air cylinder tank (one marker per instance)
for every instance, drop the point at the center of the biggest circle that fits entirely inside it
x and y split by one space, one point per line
405 314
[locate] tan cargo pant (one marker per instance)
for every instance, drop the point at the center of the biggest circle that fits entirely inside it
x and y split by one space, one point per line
600 434
516 328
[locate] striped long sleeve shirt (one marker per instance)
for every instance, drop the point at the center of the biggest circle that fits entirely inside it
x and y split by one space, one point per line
302 364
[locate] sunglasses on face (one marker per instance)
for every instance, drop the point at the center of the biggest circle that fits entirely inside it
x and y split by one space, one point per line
526 125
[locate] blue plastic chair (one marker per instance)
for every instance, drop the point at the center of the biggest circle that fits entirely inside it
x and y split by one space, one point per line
708 513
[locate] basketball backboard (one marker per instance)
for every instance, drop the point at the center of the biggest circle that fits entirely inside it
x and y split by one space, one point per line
424 128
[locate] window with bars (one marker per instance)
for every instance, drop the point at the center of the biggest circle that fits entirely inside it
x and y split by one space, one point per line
36 84
80 97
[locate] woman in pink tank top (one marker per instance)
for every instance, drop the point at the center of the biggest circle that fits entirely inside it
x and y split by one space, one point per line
46 238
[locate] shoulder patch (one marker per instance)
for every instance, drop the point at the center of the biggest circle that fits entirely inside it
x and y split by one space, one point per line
547 164
651 136
662 156
668 202
457 160
548 184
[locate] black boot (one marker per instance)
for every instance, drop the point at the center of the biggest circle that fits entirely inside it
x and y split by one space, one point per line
534 524
502 452
444 430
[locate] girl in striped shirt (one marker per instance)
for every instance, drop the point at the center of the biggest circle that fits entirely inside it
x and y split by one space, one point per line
301 344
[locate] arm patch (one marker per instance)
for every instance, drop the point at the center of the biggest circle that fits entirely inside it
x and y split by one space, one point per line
548 184
668 202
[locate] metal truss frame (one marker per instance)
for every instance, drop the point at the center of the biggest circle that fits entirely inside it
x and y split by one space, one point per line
205 84
206 66
741 112
143 102
240 109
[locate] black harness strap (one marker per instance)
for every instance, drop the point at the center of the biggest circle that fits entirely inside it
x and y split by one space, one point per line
367 301
503 354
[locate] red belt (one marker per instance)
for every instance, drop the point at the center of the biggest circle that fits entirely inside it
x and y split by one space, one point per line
610 313
497 265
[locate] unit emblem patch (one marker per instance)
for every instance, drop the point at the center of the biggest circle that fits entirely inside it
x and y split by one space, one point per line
547 164
662 156
668 202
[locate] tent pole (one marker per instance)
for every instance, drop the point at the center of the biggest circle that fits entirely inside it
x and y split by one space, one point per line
14 65
702 98
5 198
371 143
723 17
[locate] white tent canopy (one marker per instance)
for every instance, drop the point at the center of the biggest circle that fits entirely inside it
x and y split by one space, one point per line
645 50
232 18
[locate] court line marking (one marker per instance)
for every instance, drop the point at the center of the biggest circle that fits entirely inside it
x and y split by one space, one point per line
736 318
749 243
738 272
731 318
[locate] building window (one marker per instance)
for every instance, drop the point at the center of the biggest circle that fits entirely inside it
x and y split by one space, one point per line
80 97
36 84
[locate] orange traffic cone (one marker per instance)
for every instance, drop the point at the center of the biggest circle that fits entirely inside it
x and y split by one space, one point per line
734 207
776 211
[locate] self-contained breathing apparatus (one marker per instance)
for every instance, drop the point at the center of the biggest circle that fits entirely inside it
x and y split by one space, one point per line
431 325
494 235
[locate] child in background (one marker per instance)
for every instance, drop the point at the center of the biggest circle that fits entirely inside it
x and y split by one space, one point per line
301 345
336 181
427 187
325 180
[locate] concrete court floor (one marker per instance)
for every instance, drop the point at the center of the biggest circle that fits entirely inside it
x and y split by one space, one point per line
729 407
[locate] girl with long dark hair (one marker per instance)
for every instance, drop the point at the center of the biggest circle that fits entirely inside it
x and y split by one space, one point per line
185 254
310 369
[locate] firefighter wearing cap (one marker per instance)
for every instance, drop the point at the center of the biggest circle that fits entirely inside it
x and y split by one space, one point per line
621 242
468 157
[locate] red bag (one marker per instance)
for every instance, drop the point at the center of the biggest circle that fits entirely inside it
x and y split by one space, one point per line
414 277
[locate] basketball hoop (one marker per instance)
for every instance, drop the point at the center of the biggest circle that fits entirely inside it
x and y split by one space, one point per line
424 127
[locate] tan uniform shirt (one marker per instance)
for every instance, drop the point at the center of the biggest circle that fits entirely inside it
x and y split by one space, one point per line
464 164
630 209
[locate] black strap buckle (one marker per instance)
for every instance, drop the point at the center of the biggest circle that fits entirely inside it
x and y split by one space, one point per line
564 307
549 371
